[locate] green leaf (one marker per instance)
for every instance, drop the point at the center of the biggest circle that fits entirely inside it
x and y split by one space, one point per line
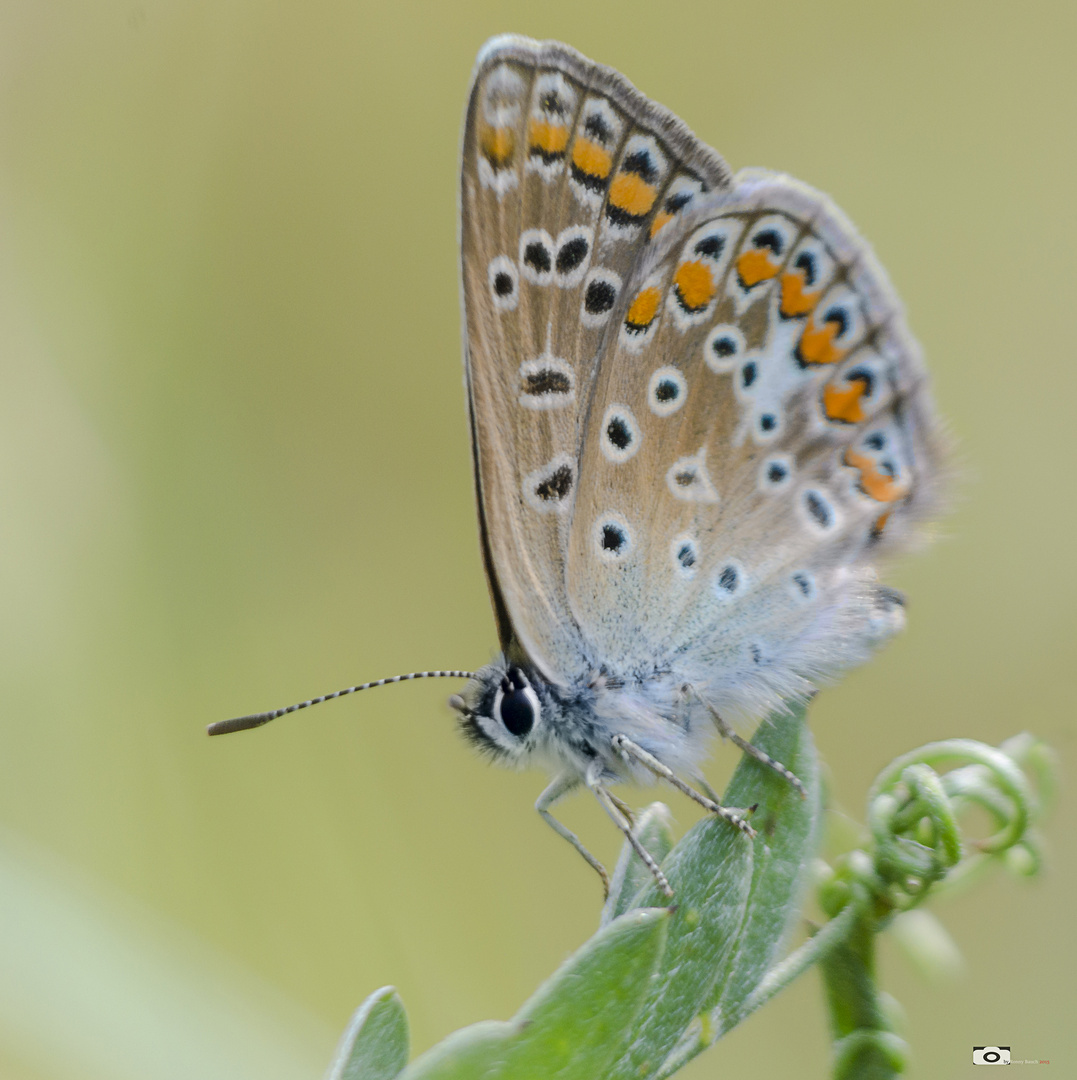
711 872
575 1024
775 878
579 1021
630 876
375 1044
789 828
927 945
472 1053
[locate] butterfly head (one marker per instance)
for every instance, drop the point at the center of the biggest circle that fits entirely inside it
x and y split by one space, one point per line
501 711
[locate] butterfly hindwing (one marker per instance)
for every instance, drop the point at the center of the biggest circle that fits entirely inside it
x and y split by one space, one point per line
759 435
568 176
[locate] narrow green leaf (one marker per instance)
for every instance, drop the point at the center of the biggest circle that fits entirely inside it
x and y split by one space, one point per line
788 828
711 872
574 1025
472 1053
375 1044
630 875
579 1021
927 945
789 834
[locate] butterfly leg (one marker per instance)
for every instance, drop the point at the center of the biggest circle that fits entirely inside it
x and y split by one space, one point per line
612 805
748 748
631 751
624 808
558 788
707 789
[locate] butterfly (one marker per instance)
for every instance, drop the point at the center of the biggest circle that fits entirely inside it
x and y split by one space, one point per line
698 424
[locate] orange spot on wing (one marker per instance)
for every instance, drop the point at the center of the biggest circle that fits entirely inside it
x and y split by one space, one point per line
755 266
644 308
632 194
547 137
880 524
816 345
660 220
873 481
498 145
844 402
592 159
795 301
694 284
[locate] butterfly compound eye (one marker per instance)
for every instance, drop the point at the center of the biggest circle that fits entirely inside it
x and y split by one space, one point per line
517 705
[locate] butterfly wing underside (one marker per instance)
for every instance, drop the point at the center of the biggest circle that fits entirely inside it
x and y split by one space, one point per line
698 418
568 174
780 440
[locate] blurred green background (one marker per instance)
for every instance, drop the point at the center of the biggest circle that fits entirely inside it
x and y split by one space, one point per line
234 472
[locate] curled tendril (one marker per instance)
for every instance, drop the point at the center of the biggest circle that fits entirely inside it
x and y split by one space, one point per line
917 839
914 808
987 776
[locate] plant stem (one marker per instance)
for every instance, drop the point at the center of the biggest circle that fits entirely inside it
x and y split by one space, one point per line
864 1046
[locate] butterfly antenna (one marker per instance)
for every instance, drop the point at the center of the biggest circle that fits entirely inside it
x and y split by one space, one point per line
242 723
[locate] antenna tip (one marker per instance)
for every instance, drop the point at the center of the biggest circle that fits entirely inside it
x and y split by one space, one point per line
239 723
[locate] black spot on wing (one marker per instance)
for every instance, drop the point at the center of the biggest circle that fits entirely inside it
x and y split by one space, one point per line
600 297
667 390
805 261
547 381
571 255
613 539
710 247
595 127
642 165
769 238
537 256
555 486
619 433
724 347
818 509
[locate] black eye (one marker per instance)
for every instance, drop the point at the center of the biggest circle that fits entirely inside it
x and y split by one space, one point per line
518 706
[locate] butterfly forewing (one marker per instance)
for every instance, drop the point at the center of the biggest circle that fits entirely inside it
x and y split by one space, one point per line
568 175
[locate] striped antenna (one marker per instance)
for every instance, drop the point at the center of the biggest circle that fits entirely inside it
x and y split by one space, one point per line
242 723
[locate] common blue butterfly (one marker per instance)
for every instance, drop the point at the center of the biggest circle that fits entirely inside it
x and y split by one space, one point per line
698 424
